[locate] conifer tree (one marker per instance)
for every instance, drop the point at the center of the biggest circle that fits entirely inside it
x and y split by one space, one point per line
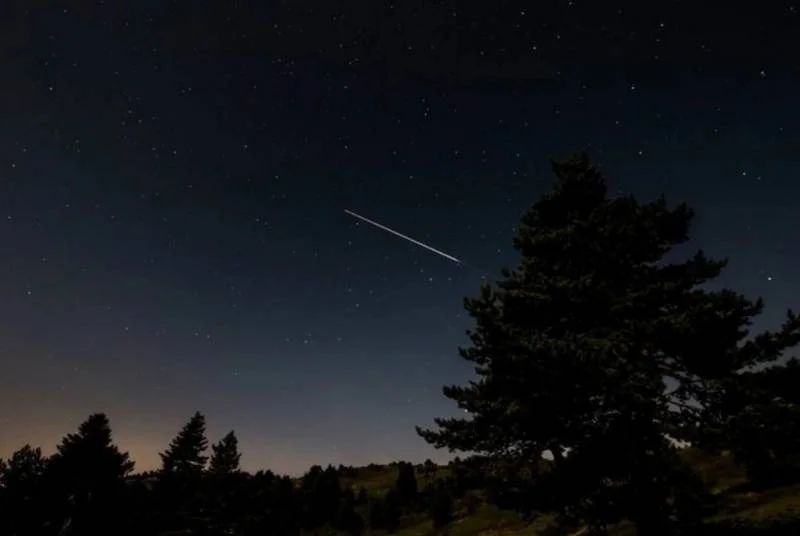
23 471
429 468
226 483
185 456
348 520
180 494
21 480
595 350
406 483
757 416
321 494
225 456
441 507
384 512
88 472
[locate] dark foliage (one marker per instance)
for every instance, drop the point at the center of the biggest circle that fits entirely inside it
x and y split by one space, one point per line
441 507
429 468
225 456
322 495
758 416
597 352
362 497
406 484
185 456
472 502
384 512
21 490
86 477
347 519
224 481
179 484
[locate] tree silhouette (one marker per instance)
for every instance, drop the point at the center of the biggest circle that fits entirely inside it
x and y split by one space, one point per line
429 468
351 522
180 491
272 506
225 483
595 351
441 507
406 483
347 519
321 494
384 512
225 456
21 479
185 456
362 497
758 417
87 474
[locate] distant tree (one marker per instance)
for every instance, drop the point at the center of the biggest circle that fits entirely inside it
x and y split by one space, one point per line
348 520
185 456
441 507
274 506
23 472
472 503
355 524
21 479
88 474
179 493
321 495
225 484
346 470
384 512
362 496
429 468
595 351
348 495
286 505
406 483
225 456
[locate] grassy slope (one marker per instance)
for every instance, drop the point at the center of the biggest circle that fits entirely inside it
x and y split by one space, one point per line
719 472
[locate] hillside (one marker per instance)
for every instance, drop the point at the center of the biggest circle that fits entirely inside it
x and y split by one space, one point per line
772 511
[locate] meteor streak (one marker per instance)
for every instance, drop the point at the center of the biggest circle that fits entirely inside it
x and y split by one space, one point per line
404 237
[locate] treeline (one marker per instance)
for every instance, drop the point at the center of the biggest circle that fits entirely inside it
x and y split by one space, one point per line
88 487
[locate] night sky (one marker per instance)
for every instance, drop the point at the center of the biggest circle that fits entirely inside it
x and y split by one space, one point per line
174 175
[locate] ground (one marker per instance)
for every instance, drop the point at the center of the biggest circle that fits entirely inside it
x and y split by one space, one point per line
749 509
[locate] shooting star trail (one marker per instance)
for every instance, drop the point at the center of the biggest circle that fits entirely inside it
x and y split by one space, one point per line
404 237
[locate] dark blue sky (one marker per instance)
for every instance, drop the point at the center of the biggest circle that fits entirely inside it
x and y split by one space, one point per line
173 177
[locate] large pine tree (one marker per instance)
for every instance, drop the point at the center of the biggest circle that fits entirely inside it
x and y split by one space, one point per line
594 351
